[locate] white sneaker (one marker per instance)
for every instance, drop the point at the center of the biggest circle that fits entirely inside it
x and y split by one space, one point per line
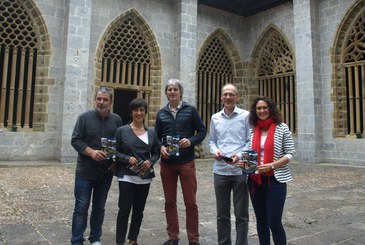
96 243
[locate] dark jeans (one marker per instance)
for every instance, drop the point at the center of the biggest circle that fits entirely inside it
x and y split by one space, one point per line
84 189
223 186
268 203
130 195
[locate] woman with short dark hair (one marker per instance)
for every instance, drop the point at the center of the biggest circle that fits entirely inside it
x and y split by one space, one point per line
137 151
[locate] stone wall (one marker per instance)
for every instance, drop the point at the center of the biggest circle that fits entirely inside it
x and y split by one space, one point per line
180 29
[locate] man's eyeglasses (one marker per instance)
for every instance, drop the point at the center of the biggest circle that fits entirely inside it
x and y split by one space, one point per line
229 94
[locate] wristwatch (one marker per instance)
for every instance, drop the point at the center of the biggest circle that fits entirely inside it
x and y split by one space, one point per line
272 166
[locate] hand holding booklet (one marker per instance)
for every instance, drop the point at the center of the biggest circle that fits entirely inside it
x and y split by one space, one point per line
108 145
250 162
139 170
172 144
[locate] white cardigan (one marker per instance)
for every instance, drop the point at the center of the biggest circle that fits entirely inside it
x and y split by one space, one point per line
283 144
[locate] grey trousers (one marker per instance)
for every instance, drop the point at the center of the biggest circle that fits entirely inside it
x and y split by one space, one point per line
223 186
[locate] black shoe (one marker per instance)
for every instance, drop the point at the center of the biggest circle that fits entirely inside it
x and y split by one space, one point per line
194 243
171 242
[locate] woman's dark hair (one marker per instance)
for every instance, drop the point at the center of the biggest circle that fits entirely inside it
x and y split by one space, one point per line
274 111
137 103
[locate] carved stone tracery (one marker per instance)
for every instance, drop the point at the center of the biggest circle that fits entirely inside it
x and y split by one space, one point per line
276 57
215 59
354 51
126 43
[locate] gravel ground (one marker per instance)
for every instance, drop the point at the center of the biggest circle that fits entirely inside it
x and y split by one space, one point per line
325 205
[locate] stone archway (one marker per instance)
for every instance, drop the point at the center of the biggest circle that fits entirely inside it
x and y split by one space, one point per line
128 59
338 81
27 39
273 66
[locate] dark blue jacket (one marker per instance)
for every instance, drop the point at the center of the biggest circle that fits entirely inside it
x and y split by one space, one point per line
187 124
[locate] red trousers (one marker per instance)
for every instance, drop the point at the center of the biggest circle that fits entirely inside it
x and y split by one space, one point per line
169 176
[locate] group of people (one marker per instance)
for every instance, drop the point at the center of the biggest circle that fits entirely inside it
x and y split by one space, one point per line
178 129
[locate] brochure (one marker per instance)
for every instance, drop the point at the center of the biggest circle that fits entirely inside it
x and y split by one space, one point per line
137 168
108 145
172 144
250 161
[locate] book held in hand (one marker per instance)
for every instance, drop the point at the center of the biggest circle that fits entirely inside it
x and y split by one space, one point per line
250 161
172 144
108 145
137 168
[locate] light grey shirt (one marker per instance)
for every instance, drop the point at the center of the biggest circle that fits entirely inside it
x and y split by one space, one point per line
230 135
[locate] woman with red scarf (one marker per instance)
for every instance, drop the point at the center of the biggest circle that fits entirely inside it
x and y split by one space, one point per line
275 149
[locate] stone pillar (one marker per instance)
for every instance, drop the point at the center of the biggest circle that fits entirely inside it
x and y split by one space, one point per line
77 86
309 105
185 51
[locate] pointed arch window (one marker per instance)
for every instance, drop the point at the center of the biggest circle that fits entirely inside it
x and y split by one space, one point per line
214 70
126 62
354 66
126 57
18 61
276 78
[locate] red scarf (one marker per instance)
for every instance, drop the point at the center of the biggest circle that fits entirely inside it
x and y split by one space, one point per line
268 146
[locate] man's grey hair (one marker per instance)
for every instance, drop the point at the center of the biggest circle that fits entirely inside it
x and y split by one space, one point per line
175 82
105 90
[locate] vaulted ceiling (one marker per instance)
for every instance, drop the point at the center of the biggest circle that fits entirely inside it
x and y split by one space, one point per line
243 7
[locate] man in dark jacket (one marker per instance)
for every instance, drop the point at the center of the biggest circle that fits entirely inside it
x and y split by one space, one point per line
180 128
93 177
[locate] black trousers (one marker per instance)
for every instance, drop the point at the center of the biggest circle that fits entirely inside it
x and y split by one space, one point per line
130 196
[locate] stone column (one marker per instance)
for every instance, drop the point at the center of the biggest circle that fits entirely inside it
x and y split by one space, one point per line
185 51
308 76
77 86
